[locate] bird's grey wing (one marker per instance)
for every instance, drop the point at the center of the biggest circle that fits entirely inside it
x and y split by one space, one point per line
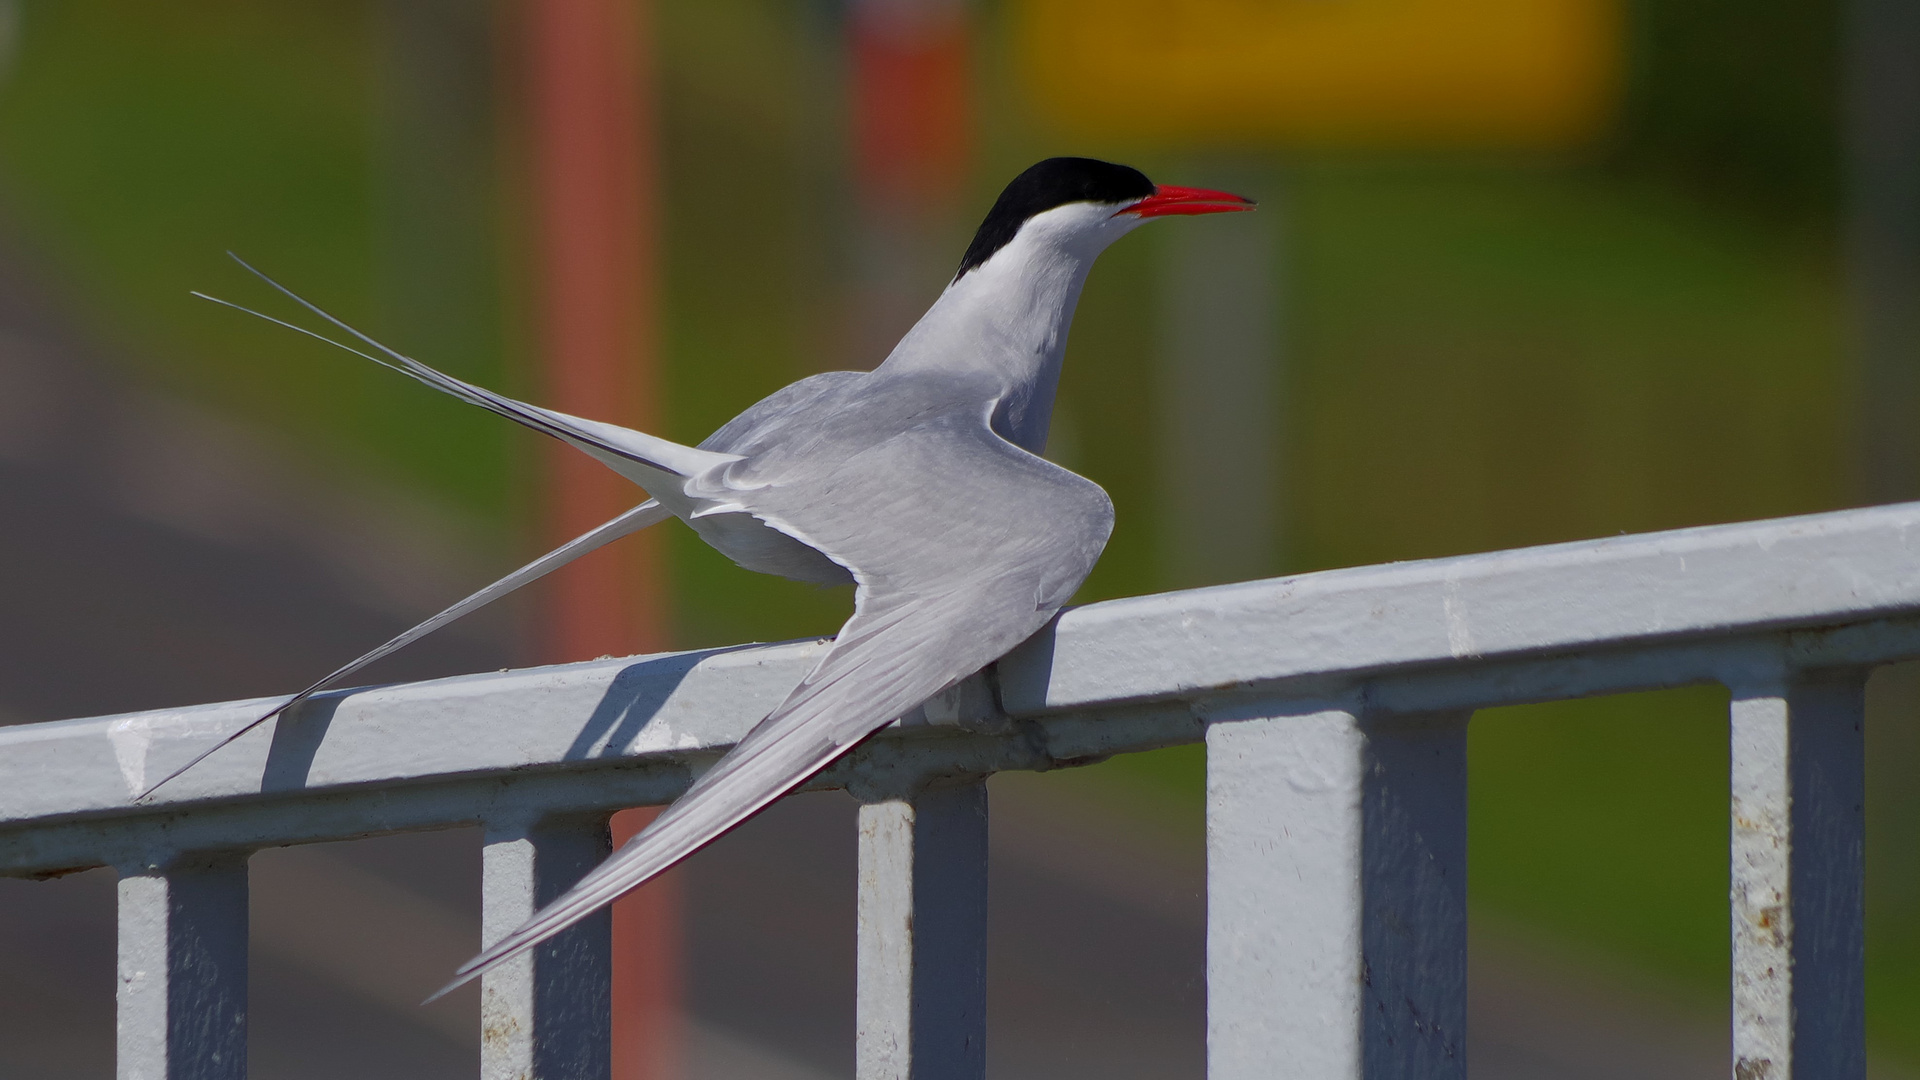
655 464
962 545
647 513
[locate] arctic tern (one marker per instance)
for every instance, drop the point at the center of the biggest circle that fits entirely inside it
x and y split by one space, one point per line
920 483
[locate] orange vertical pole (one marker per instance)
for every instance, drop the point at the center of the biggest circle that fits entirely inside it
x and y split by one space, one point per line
646 970
911 122
595 196
911 107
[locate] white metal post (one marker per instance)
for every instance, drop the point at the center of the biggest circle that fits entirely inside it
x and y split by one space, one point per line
921 1007
1336 896
183 970
1798 839
545 1015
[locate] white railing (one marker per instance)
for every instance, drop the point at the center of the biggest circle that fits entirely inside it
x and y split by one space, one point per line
1334 709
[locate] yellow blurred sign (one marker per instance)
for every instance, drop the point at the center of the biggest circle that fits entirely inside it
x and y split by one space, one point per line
1372 73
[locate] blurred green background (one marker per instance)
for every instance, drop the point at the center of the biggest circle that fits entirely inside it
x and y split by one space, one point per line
1480 351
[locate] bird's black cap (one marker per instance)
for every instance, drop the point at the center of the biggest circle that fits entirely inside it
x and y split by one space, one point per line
1054 182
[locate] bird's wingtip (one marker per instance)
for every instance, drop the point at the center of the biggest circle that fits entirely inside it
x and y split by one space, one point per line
444 991
167 779
209 751
463 975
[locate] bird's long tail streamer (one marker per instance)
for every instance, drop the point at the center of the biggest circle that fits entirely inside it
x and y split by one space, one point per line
611 444
647 513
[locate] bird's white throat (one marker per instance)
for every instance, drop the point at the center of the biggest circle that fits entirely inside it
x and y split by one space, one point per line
1008 317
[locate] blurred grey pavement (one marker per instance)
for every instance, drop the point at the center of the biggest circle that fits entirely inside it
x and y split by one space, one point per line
159 555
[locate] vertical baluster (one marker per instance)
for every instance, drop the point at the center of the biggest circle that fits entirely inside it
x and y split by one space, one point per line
546 1014
1336 896
1798 837
183 970
921 1007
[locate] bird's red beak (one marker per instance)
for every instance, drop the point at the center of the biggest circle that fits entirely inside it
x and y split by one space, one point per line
1167 200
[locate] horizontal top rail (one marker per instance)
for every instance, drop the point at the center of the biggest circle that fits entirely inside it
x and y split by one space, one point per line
1720 602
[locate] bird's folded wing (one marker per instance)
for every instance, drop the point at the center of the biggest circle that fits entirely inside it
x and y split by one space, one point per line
647 513
946 586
